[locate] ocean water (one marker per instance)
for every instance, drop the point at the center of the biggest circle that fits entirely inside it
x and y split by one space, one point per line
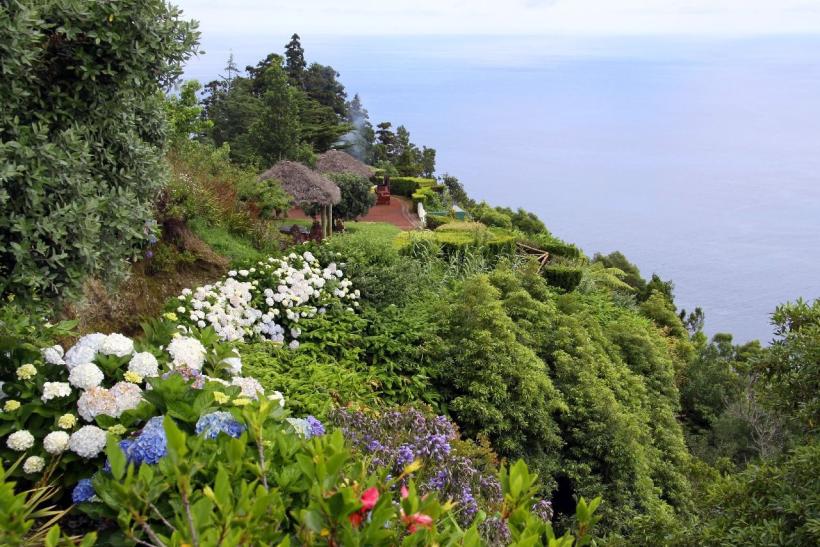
699 159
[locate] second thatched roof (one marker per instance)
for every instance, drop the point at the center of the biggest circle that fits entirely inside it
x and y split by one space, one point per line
337 161
304 184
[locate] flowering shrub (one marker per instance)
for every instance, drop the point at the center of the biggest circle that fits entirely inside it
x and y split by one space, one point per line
270 486
269 301
59 407
452 469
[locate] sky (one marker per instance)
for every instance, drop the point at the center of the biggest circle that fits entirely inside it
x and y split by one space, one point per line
505 17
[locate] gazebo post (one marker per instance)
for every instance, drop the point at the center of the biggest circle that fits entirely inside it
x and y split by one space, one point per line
329 219
323 220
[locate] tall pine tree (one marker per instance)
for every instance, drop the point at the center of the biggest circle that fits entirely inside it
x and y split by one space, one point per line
295 61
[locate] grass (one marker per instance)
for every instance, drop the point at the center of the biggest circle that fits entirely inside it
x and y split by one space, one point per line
238 249
376 231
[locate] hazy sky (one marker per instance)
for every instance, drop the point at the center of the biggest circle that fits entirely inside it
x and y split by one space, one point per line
711 17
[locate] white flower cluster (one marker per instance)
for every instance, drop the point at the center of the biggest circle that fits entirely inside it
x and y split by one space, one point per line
144 365
268 300
88 441
186 352
52 390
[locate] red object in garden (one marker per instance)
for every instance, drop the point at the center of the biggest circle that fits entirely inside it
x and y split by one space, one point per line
369 499
383 194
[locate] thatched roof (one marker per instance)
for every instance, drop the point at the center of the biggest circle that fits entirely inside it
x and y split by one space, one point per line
304 184
336 161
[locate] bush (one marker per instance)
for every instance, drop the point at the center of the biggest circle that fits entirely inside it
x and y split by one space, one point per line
272 300
774 503
58 405
552 245
451 468
79 177
267 482
434 221
564 277
457 238
357 196
407 186
313 386
492 384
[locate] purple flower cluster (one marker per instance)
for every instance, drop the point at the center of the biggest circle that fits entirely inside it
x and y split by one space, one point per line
211 425
495 532
315 427
543 510
84 491
398 437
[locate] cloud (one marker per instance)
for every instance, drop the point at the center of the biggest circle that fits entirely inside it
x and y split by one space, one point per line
413 17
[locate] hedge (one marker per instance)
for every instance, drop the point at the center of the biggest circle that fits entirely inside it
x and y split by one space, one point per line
562 277
553 246
407 186
454 239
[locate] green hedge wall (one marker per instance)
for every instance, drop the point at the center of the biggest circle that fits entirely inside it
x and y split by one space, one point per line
563 277
407 186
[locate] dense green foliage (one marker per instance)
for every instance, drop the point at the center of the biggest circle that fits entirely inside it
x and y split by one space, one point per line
580 367
357 196
82 131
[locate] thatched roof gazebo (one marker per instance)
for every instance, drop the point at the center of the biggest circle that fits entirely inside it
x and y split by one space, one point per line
307 188
337 161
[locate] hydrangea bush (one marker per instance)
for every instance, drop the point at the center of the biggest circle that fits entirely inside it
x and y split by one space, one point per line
270 301
250 477
59 407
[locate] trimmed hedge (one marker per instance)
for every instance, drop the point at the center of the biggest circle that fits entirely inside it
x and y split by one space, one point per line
434 221
407 186
563 277
455 238
553 246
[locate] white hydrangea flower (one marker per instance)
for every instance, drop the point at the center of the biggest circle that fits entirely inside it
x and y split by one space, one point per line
234 365
20 441
85 376
250 386
34 464
277 396
187 351
127 395
88 441
53 355
144 364
117 344
55 389
96 401
56 442
93 341
2 395
79 354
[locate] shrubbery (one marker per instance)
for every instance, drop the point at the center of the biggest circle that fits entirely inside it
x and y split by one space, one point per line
82 132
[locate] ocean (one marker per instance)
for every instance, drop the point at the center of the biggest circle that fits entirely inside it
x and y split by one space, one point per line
699 159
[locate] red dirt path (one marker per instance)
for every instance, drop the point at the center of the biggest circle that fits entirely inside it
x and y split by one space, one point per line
399 213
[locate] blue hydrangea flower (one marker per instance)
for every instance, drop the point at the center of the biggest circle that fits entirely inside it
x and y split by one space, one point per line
84 491
211 425
315 427
151 445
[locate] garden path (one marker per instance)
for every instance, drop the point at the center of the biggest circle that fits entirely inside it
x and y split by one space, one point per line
399 213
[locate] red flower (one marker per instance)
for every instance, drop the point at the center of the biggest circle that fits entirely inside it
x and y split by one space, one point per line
369 499
416 520
404 492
